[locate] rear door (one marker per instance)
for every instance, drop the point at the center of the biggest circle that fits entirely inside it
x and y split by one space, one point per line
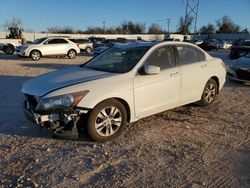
194 71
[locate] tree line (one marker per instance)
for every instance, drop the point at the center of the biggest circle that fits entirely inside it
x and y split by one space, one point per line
127 27
223 25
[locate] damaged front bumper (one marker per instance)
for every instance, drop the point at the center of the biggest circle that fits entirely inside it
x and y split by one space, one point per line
57 120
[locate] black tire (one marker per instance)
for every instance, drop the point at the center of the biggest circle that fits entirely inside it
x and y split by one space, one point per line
9 49
72 54
88 50
110 124
35 55
209 93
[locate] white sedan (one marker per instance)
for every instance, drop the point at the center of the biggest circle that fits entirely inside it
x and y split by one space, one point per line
123 84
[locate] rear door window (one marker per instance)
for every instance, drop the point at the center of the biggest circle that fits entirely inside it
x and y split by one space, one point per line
188 54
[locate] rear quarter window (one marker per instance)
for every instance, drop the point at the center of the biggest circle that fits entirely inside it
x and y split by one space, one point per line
201 55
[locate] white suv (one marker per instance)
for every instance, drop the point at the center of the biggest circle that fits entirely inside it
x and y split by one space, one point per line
51 46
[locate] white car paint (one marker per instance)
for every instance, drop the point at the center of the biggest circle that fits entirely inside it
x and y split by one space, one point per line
48 49
144 94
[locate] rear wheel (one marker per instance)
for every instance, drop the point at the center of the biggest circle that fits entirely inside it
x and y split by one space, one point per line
9 49
72 54
88 50
209 93
35 55
107 120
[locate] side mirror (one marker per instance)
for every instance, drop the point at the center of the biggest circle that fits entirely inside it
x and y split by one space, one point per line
151 69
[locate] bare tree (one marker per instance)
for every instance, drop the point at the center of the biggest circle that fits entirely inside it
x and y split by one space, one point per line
15 22
185 25
64 30
226 25
155 29
208 29
132 28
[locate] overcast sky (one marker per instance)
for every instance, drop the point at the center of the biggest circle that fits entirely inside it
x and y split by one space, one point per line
38 15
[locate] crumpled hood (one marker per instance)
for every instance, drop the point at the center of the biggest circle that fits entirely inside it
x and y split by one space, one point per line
46 83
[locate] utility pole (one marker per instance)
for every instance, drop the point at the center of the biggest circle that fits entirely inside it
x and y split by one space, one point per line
104 22
192 9
168 22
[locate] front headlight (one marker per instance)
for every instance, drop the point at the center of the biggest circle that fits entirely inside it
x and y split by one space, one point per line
62 101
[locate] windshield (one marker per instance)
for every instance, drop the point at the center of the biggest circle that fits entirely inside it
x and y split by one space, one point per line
38 41
117 60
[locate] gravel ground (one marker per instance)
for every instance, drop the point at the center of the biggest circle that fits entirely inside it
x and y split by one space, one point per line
186 147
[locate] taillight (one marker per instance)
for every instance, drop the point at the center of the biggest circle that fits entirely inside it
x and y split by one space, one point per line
78 46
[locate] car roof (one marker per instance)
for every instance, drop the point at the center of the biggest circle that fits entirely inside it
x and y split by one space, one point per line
134 44
150 44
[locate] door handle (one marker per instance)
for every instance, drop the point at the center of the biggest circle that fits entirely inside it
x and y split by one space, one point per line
173 74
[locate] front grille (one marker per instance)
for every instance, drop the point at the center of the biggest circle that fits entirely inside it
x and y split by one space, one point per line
243 74
67 111
32 100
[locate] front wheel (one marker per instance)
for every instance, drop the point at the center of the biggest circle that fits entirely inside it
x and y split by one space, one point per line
209 93
72 54
107 120
35 55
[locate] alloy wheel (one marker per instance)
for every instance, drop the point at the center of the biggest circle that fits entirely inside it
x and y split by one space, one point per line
35 55
108 121
210 92
72 54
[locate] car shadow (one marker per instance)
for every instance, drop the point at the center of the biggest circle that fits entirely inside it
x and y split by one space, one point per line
9 57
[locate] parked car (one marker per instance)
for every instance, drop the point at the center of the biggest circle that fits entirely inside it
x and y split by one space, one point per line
198 42
51 46
240 50
171 39
123 84
9 45
84 44
103 47
225 45
211 44
12 40
108 43
96 41
239 70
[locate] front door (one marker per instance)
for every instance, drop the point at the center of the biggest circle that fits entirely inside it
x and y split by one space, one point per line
156 93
